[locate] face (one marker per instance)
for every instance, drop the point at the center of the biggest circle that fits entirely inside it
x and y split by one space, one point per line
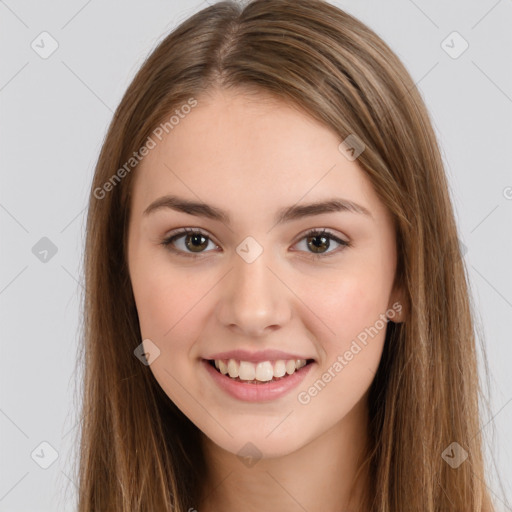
260 283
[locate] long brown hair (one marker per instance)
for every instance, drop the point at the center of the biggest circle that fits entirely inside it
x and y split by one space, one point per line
137 450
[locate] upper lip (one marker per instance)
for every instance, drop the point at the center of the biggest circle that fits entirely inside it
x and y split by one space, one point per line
256 357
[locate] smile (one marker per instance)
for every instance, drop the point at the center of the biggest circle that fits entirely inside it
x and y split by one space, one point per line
263 371
257 382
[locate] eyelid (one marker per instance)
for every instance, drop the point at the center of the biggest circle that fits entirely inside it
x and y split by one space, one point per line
326 231
180 232
322 232
184 231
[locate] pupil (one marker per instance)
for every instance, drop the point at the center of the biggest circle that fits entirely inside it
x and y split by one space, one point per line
195 237
317 245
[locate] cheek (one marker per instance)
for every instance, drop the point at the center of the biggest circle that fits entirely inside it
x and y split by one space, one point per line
352 301
354 307
162 305
156 303
355 310
170 303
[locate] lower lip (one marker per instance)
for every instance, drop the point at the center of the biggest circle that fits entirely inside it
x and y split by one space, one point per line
263 392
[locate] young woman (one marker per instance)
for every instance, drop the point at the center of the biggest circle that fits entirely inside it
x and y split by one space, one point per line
277 313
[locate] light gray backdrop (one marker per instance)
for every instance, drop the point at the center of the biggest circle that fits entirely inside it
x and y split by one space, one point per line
64 67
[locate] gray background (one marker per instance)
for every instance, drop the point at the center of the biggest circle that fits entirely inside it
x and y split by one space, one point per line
54 115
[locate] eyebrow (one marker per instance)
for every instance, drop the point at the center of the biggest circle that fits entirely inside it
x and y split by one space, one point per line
284 215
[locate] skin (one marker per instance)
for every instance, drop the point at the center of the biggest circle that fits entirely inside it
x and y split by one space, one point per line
252 155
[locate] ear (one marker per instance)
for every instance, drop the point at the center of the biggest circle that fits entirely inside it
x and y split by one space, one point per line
398 309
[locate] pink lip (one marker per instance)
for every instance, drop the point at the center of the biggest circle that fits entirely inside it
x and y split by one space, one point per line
256 357
263 392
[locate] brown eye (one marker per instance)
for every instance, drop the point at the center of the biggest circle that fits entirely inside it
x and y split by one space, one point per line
196 242
318 243
193 242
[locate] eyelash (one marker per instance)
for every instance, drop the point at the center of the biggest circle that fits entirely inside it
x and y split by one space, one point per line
167 242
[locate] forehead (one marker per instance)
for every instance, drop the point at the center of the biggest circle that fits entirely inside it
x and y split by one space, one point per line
249 151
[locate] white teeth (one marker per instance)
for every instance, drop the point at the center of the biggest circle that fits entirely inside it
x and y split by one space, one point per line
232 369
290 367
223 367
247 371
279 368
263 371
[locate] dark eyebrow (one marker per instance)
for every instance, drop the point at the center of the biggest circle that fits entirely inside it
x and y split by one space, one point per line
287 214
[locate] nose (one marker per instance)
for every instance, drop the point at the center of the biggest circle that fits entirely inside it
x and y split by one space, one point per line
255 300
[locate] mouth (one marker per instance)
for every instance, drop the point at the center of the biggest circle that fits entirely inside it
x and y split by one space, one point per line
260 373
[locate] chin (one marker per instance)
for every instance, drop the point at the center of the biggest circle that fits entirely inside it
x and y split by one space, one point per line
257 442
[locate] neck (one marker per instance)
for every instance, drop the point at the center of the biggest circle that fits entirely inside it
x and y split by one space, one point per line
320 476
